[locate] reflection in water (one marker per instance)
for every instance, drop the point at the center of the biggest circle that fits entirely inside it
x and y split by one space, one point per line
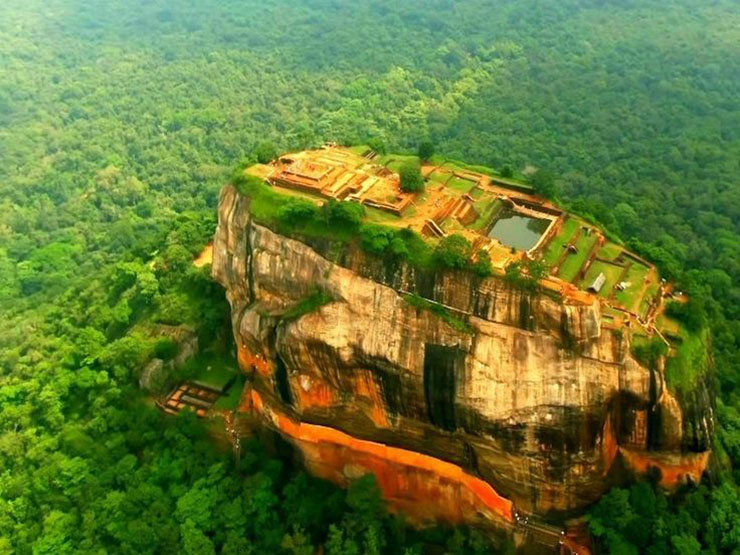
518 231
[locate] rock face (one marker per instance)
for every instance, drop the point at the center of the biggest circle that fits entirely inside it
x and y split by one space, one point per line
531 396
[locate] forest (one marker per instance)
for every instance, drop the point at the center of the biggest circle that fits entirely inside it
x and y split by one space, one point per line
119 124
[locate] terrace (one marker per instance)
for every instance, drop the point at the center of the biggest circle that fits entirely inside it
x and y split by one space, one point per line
213 384
337 173
502 217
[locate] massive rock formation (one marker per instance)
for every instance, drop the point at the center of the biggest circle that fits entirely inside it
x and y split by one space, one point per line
528 403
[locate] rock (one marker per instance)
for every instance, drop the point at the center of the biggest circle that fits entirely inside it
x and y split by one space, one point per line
533 397
153 374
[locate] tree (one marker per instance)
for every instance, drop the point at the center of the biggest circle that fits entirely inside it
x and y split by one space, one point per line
543 183
296 212
377 144
265 152
165 348
453 251
507 172
426 150
526 276
344 214
482 265
411 179
194 541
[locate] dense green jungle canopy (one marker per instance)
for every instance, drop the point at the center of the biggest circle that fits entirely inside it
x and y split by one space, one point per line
120 121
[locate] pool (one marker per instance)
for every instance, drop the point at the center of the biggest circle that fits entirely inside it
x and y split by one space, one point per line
517 231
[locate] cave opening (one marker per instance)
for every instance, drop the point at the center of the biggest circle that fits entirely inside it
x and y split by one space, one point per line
441 366
282 385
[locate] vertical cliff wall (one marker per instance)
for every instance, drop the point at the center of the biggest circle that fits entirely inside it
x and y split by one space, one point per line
530 398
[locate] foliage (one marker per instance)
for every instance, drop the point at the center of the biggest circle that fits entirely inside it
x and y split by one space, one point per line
308 304
642 519
109 176
383 241
526 275
165 348
425 150
688 363
343 214
453 251
691 313
482 265
543 183
443 312
295 212
411 179
377 145
265 151
649 352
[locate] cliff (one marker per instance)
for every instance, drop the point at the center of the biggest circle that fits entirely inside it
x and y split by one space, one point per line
528 404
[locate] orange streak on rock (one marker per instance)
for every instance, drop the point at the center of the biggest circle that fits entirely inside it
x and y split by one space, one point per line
674 468
422 485
317 394
249 361
366 386
609 445
245 400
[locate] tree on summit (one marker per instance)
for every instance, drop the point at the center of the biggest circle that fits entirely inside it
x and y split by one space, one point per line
453 251
543 183
265 152
411 180
426 150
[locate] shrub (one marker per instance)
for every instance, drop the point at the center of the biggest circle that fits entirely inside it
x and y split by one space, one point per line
649 352
377 145
165 348
444 313
295 212
308 304
265 152
426 150
376 239
482 265
526 281
343 214
383 241
690 313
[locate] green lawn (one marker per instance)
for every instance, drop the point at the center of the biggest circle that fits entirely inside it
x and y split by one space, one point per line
359 149
668 326
610 251
573 262
394 161
438 160
463 185
689 362
630 297
439 176
487 208
378 216
211 369
231 400
614 314
611 272
555 246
